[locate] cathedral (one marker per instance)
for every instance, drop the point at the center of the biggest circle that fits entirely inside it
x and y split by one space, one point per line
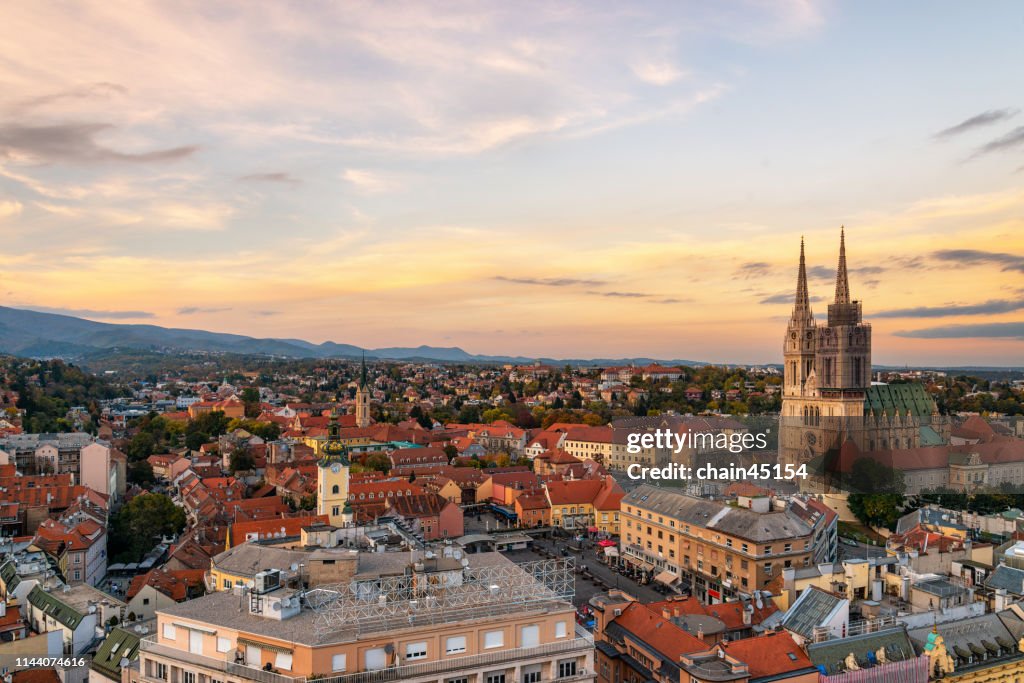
827 393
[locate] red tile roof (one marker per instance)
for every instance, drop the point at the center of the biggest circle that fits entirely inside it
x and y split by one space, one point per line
770 654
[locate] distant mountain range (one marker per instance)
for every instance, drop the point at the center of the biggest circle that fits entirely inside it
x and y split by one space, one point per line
49 335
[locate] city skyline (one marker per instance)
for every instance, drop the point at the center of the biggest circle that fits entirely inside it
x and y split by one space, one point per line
580 182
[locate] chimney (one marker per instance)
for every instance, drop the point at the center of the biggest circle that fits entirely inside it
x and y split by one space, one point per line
666 613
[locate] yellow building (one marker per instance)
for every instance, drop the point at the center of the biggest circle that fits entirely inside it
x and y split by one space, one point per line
984 648
332 477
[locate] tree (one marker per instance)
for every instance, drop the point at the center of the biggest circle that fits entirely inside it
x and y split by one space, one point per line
141 446
241 460
877 509
141 523
251 401
379 462
141 472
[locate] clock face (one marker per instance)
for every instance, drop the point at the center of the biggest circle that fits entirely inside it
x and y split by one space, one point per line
335 468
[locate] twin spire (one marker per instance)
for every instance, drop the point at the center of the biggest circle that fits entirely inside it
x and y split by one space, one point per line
802 306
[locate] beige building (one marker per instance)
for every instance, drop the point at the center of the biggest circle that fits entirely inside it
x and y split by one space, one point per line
723 550
473 619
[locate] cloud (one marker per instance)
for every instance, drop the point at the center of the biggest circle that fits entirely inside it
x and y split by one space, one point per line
266 314
976 257
274 177
98 90
987 308
986 330
754 269
370 182
786 298
670 301
1015 138
658 73
92 313
551 281
76 143
983 119
9 208
192 310
623 295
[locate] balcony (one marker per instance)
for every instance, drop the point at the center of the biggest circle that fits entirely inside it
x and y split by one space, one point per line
228 666
582 641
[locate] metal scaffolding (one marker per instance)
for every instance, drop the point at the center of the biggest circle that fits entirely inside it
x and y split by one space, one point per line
421 597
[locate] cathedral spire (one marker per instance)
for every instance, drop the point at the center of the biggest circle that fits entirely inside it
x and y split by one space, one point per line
362 373
842 280
802 304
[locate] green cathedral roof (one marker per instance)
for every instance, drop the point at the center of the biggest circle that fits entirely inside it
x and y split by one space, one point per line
892 399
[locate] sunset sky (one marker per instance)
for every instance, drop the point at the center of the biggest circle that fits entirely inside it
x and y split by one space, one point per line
550 179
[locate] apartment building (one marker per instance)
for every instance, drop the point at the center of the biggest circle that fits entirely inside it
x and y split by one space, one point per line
722 550
446 618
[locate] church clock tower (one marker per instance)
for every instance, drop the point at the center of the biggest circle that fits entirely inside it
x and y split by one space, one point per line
332 477
363 399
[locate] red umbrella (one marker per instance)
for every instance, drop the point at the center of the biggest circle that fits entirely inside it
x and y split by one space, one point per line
606 543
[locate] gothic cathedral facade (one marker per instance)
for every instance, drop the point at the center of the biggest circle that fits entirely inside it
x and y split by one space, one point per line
827 392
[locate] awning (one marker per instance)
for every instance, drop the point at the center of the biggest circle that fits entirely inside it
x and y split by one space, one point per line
592 529
647 566
264 646
666 577
606 543
611 551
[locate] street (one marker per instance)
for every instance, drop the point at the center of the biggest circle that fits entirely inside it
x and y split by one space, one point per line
588 588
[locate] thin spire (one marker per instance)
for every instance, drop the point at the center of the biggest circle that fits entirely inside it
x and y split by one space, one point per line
842 280
803 300
362 374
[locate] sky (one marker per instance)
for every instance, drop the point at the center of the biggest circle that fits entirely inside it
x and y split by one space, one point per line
541 179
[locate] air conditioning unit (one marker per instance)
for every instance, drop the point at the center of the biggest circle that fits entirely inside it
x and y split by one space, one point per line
583 671
617 612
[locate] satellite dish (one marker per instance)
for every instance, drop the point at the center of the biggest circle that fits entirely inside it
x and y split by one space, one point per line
295 567
457 554
465 562
389 648
277 607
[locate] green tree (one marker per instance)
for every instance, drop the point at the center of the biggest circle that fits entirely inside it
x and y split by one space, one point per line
140 524
241 460
141 472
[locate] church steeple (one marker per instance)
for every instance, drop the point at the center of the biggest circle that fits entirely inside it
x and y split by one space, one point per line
362 373
802 304
842 279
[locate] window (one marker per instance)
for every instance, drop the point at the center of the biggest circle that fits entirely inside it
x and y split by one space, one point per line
567 668
145 601
529 636
284 661
414 651
375 659
188 676
195 642
169 631
338 663
494 677
455 645
494 639
788 547
227 584
335 490
460 679
161 671
532 673
223 644
561 629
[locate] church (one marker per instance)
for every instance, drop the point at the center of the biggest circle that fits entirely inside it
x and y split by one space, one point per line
827 393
